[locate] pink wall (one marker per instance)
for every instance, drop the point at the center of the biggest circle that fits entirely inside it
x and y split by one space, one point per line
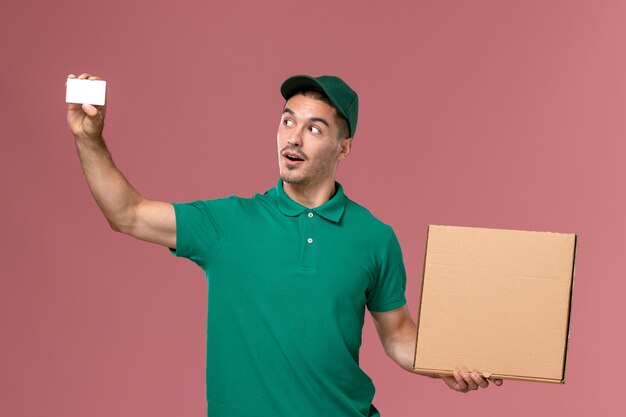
481 113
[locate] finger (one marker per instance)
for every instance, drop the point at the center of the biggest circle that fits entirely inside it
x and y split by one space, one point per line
479 380
84 76
461 384
90 110
450 382
470 382
94 77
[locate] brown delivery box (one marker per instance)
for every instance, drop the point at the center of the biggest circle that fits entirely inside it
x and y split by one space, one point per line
496 302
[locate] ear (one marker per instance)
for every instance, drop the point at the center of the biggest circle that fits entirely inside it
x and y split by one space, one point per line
344 148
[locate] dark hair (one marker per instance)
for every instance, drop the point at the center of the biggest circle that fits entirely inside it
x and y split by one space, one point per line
342 122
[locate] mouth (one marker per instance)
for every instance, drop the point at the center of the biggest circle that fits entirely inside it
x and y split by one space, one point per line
293 157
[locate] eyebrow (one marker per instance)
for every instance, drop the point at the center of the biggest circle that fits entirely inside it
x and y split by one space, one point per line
311 119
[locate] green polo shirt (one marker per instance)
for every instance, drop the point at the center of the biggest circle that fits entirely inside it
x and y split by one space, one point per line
287 288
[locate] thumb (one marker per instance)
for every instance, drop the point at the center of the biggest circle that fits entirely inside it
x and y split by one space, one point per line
496 381
90 110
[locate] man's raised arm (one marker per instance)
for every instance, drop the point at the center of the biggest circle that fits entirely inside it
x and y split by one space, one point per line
124 208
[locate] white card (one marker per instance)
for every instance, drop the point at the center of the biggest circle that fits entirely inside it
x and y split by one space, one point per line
85 91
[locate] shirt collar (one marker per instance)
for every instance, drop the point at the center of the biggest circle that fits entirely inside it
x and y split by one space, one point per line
331 210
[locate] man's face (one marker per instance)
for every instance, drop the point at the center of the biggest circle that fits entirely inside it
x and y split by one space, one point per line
309 149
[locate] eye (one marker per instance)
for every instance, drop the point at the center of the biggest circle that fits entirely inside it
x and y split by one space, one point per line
315 130
288 122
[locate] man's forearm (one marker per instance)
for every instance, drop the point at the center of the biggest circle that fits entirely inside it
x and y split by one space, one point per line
114 195
397 332
401 347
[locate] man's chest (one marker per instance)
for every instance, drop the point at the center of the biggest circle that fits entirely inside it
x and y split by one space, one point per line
302 256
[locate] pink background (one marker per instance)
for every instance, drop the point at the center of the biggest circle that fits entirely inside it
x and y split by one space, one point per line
501 114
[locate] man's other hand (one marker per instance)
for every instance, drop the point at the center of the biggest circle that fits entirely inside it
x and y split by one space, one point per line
85 121
463 381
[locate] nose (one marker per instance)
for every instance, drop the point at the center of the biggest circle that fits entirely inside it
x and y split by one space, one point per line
295 137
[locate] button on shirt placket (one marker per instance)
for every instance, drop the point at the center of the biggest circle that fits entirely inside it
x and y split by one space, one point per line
309 218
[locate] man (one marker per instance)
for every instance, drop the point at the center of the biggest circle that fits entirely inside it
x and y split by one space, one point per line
290 271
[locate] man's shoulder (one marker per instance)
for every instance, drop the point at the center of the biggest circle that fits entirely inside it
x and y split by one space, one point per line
362 216
231 200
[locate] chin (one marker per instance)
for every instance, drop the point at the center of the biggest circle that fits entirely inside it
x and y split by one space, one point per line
293 179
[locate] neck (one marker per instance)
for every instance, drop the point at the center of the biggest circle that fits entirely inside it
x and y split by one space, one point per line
310 196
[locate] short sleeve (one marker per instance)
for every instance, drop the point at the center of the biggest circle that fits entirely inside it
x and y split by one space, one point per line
201 226
387 291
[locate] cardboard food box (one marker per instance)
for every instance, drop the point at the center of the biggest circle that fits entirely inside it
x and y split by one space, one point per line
496 302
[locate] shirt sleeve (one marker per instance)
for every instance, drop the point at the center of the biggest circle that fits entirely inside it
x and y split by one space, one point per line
200 228
388 287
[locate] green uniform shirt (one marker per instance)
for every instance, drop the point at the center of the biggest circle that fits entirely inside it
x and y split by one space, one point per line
287 293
